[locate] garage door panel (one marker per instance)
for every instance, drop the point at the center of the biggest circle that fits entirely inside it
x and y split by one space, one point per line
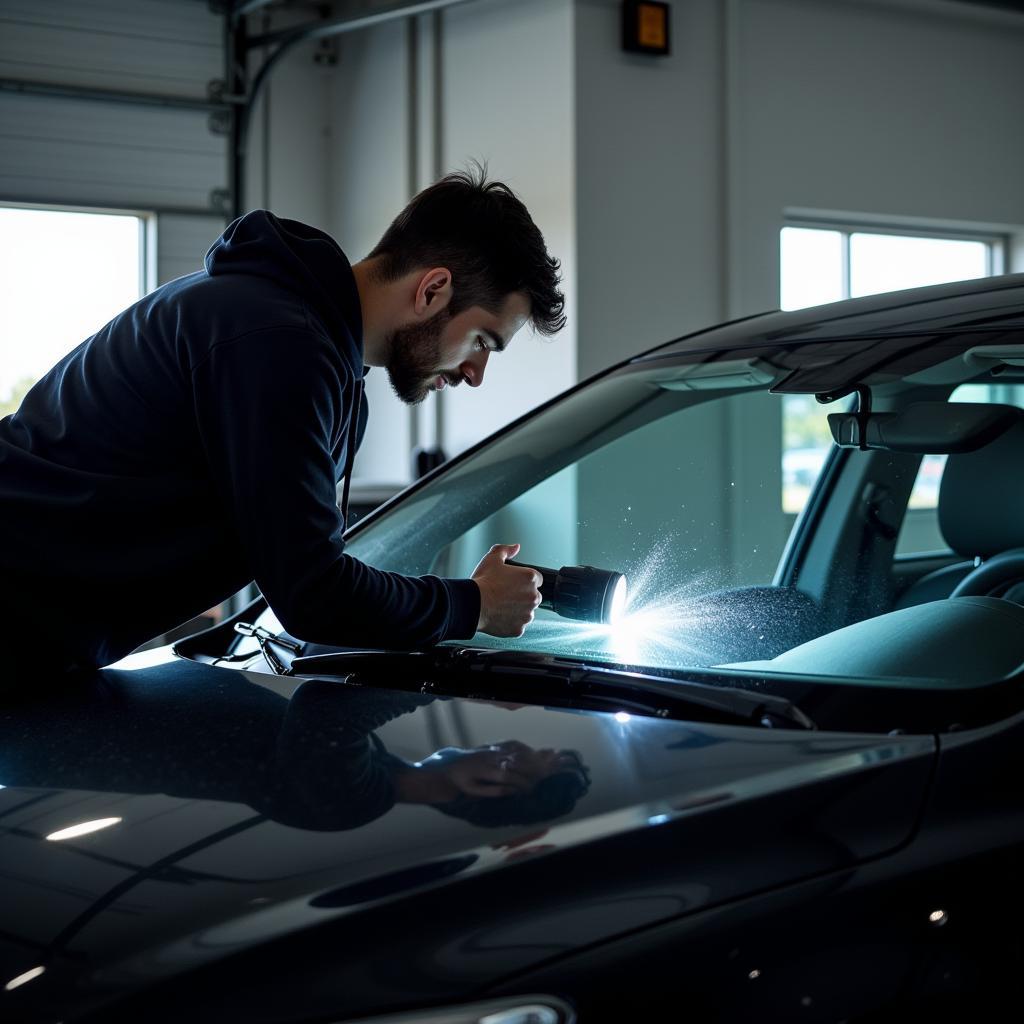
62 150
133 45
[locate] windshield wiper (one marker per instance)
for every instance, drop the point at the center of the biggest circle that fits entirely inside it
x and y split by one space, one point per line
580 681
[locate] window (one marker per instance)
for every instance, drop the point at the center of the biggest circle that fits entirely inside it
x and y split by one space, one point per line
63 274
826 264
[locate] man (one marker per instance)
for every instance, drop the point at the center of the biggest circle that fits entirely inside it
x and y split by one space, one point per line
194 443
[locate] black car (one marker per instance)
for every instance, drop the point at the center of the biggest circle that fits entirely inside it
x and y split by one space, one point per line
784 784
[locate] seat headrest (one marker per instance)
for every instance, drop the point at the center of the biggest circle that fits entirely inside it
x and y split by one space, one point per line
981 497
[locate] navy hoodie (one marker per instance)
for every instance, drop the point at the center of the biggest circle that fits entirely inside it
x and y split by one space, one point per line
193 445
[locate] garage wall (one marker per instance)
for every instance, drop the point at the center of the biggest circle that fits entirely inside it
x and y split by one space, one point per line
649 188
916 112
493 83
509 100
369 181
288 166
687 165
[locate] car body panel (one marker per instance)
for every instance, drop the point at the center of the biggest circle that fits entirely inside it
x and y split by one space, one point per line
194 875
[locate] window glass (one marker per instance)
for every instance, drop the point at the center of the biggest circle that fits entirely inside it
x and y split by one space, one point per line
609 480
886 263
62 276
811 267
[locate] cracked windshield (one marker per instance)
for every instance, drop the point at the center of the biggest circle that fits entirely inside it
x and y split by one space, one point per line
628 477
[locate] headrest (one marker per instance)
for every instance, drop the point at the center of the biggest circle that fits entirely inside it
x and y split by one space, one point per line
981 498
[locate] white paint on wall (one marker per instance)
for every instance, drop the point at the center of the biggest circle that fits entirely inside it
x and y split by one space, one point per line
367 184
648 183
509 100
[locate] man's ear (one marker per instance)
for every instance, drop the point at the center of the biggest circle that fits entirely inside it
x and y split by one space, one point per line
433 292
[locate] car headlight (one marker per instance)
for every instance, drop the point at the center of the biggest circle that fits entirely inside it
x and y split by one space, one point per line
516 1010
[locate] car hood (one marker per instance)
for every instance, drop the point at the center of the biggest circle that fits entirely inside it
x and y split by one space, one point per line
235 817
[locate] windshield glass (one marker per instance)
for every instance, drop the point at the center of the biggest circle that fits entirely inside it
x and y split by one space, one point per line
668 471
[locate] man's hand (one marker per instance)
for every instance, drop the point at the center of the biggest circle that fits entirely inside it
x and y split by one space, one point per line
509 594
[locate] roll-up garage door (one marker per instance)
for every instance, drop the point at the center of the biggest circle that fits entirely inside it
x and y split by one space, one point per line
68 135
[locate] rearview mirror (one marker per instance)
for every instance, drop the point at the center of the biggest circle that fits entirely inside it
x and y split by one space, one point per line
925 428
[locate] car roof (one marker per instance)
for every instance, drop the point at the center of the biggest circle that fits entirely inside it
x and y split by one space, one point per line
990 305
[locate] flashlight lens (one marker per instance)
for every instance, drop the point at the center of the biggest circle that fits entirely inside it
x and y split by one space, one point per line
618 605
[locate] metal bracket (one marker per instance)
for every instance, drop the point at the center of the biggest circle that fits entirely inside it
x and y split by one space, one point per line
219 122
863 413
220 200
326 53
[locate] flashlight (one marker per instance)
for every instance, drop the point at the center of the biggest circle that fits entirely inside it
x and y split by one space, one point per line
582 592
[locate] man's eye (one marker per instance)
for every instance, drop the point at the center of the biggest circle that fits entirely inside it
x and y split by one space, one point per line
480 344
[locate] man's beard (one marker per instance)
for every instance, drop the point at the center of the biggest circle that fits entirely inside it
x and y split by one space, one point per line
414 358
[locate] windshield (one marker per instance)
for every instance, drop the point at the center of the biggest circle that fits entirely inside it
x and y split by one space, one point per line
668 471
612 478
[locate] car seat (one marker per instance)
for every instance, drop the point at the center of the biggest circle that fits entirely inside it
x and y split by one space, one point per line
981 517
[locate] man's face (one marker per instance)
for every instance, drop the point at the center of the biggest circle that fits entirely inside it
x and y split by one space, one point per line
446 350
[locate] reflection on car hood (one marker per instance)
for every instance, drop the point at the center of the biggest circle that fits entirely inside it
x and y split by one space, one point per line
242 817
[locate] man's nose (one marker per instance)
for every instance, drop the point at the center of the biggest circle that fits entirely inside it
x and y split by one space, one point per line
473 369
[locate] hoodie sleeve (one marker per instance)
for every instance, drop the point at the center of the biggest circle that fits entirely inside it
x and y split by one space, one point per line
267 404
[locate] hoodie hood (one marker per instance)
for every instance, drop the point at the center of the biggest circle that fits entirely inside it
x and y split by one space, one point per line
302 259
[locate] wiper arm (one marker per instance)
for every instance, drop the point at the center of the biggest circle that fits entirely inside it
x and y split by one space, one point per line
596 684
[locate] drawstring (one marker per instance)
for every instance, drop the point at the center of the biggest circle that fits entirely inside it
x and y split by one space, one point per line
350 451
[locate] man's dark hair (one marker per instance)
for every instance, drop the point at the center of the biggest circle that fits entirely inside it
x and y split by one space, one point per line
485 236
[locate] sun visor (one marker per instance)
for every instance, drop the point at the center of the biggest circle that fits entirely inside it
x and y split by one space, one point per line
928 428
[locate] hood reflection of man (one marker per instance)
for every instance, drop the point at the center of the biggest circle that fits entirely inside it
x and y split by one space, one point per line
313 761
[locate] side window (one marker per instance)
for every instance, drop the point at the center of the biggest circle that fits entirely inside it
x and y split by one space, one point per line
920 532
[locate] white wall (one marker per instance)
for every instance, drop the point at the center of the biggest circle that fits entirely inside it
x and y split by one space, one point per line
509 98
648 183
502 93
288 165
368 183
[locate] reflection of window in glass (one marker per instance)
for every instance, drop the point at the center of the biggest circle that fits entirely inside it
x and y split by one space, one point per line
820 265
62 276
